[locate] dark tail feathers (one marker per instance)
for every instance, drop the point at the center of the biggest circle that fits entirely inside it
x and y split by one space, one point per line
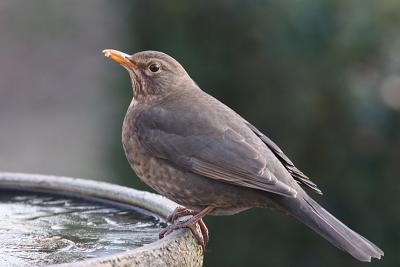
321 221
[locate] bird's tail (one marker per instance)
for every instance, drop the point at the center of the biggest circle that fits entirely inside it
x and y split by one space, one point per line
325 224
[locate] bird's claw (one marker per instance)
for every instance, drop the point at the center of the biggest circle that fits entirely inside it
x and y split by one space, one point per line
202 239
179 212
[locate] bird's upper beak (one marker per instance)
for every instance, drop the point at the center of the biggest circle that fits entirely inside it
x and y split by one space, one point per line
120 58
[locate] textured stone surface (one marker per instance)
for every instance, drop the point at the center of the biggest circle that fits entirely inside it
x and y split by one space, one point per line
177 249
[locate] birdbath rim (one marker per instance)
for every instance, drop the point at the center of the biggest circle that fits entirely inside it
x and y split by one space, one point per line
178 248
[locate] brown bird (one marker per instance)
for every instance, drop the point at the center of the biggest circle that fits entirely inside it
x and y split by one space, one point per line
193 149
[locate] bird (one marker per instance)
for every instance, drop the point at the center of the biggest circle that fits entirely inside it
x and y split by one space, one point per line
193 149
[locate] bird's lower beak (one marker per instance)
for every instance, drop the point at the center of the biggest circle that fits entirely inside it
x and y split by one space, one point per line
120 58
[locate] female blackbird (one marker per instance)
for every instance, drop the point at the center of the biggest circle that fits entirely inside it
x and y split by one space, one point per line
193 149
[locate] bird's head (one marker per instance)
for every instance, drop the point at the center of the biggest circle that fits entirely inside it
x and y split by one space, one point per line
152 72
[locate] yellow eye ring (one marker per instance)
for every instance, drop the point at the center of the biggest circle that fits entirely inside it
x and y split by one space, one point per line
154 67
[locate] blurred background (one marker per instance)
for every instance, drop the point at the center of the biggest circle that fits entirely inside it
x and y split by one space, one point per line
320 78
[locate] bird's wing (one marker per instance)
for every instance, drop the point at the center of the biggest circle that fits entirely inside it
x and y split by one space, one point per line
208 149
299 176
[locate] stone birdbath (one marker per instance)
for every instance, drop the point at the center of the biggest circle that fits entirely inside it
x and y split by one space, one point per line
62 221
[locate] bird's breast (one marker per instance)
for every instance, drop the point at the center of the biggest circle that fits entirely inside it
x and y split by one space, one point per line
156 173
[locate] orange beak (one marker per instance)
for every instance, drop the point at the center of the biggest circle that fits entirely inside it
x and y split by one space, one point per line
120 58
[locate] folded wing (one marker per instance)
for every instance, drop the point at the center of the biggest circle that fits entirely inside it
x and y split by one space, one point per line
214 151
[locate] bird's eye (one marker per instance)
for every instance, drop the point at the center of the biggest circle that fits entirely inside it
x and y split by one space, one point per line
154 67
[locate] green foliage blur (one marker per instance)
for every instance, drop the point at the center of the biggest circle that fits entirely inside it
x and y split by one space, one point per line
320 78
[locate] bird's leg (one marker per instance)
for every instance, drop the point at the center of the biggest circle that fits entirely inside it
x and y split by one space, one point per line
191 223
180 212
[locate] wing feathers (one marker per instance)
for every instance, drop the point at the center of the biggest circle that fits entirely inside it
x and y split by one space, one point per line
223 150
300 177
268 182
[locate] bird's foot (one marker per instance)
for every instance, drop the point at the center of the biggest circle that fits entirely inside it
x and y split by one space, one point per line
179 212
191 223
202 239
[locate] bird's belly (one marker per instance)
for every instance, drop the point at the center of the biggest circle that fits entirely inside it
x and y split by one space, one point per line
163 178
